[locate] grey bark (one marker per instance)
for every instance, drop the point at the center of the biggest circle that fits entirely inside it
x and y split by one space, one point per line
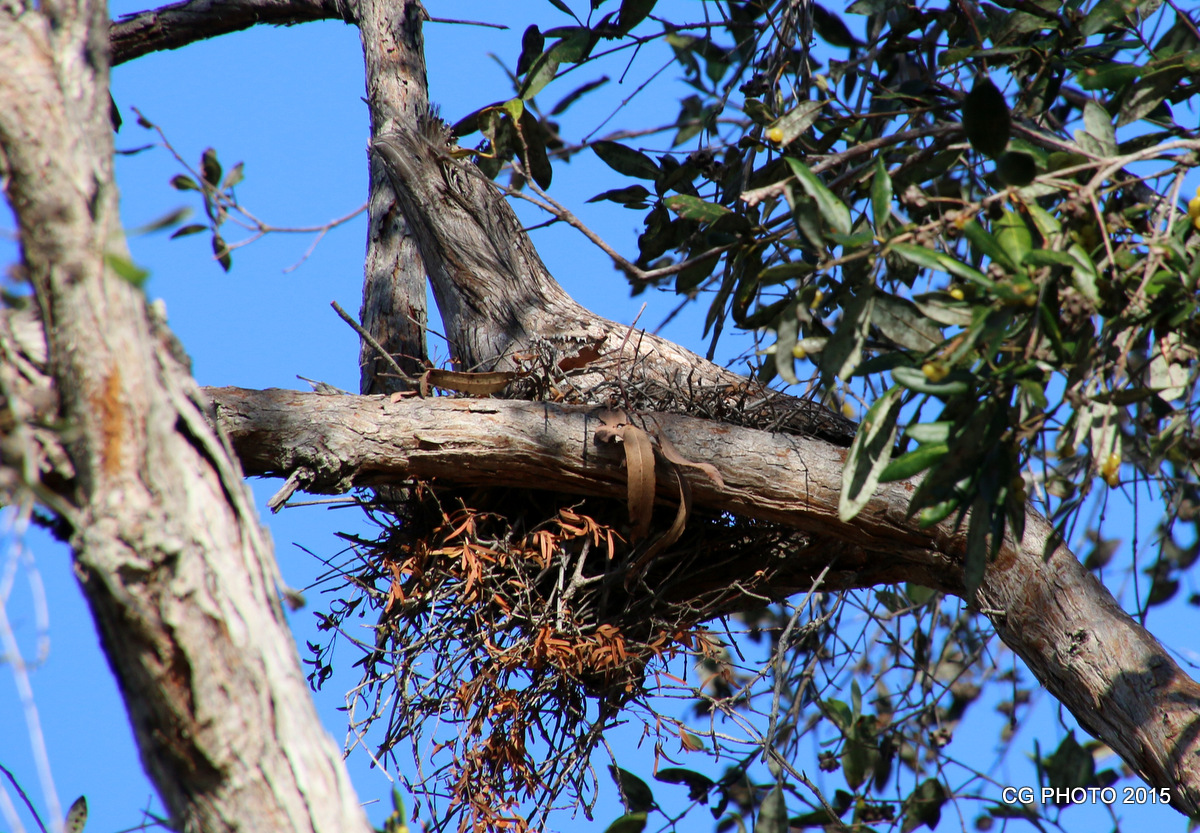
393 308
179 575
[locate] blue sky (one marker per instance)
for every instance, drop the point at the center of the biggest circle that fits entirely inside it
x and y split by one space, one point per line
288 102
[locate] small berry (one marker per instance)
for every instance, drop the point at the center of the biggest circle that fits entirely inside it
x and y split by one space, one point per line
1110 470
935 371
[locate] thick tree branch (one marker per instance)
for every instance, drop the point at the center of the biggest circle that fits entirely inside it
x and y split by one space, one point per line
1106 669
179 24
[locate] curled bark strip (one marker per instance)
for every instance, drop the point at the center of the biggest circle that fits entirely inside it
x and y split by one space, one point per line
615 427
671 535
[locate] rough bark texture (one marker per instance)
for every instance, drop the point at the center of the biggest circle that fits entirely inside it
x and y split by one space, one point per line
1106 669
499 302
179 575
179 24
393 308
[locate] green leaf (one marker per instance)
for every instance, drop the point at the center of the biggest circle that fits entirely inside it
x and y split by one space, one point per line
881 196
832 209
635 792
1049 257
221 251
929 432
869 453
986 119
924 806
914 462
532 44
540 74
632 13
915 380
792 124
193 228
698 785
785 271
940 307
562 7
210 168
126 269
843 352
236 174
533 149
1148 93
839 713
940 261
758 112
772 813
469 123
976 556
1098 124
576 46
787 328
626 196
1013 236
694 208
1070 765
625 160
1016 168
628 823
938 512
1103 15
76 816
577 93
182 182
1048 227
987 245
1113 76
165 221
901 321
830 28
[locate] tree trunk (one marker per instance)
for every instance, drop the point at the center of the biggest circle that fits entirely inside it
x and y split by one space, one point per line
393 308
180 577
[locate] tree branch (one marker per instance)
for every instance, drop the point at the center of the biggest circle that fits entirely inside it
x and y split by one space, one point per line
179 24
1117 680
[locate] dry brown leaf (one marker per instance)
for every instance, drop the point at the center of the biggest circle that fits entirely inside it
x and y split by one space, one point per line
475 384
639 469
672 534
585 356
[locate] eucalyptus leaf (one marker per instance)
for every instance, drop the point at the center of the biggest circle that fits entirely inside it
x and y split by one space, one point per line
986 119
832 209
869 453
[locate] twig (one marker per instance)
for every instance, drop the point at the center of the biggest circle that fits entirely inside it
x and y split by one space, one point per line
467 22
369 339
